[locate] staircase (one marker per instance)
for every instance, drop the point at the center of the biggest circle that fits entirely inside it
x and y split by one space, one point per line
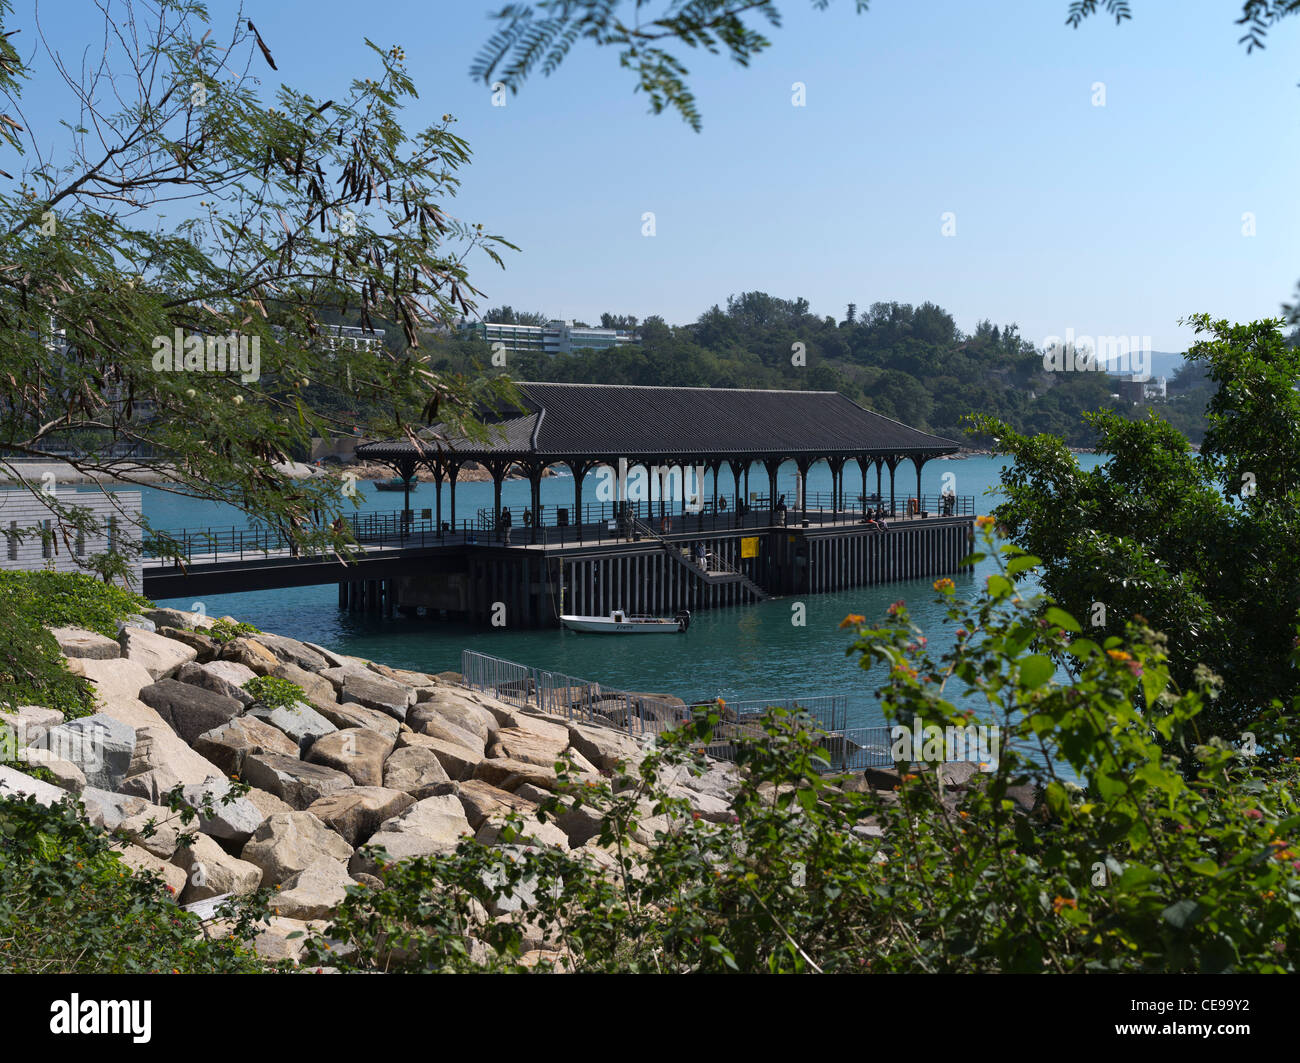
717 572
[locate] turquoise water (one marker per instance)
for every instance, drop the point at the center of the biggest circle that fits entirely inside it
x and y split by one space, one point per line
749 652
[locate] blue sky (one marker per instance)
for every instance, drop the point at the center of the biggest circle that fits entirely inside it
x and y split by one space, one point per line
1114 220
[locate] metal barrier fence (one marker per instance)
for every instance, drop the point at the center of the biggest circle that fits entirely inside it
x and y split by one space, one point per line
636 714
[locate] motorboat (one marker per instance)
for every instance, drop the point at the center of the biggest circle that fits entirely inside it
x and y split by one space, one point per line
620 623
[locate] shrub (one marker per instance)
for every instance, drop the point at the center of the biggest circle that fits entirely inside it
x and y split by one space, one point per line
32 669
224 630
1140 868
69 905
274 692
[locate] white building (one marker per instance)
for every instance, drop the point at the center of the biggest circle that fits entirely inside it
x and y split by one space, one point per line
118 518
555 337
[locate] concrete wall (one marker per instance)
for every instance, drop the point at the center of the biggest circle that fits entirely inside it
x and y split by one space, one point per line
20 509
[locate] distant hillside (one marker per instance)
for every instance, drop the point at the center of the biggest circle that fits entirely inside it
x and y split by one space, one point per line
908 362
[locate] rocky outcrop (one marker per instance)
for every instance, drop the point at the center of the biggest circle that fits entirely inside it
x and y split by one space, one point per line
290 842
373 759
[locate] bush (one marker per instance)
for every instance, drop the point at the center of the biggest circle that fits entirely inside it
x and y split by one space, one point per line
32 669
68 905
224 630
275 693
1139 869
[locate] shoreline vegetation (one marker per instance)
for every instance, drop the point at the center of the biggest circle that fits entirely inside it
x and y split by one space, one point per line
347 816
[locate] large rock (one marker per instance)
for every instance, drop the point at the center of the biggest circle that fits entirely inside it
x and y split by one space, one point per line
210 871
431 722
67 776
358 752
267 803
434 825
232 820
530 746
299 721
189 710
412 768
332 659
163 761
603 746
457 709
353 715
115 680
29 723
15 785
548 728
179 618
160 656
319 693
228 745
252 655
338 674
356 814
143 862
294 781
507 774
375 692
530 832
205 647
283 939
456 760
292 651
312 893
78 642
101 746
221 677
291 842
482 802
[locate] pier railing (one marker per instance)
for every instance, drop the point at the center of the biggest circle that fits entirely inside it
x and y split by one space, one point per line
558 694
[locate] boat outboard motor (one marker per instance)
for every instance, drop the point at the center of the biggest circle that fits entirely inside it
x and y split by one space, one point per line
683 619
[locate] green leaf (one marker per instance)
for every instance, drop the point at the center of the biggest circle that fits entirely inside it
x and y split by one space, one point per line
1035 671
1061 618
1182 914
1019 564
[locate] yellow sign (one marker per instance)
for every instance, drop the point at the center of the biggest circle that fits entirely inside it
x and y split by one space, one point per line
749 546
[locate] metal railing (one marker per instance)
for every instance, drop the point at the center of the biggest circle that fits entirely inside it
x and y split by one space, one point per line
563 695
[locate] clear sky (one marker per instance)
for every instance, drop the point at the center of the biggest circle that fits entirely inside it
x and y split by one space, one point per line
1110 220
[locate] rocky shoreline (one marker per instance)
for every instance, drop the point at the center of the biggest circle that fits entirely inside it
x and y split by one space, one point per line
372 756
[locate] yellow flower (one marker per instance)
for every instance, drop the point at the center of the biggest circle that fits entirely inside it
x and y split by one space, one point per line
944 585
853 620
1063 902
1119 655
983 522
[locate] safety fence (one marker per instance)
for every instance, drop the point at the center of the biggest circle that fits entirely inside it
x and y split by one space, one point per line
640 715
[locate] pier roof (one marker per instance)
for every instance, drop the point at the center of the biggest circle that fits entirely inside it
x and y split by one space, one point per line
608 421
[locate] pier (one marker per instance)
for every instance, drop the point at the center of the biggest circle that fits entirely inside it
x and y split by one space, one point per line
635 548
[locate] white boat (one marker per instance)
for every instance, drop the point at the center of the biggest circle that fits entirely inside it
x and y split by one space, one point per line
620 623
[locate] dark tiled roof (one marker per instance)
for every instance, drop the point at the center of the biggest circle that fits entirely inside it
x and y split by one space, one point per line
611 421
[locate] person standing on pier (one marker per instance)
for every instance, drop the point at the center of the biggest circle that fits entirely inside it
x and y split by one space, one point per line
504 523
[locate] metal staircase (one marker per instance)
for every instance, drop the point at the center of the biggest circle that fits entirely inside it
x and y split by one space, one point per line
718 571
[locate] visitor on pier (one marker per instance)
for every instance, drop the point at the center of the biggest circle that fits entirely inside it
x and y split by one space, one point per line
780 510
702 556
503 524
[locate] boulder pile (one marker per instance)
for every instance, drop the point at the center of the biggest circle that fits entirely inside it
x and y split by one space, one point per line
373 756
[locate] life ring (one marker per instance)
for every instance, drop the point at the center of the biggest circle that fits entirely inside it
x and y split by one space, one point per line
913 507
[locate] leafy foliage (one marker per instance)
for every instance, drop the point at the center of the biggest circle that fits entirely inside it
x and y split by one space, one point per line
225 630
32 669
68 905
1205 547
274 692
1141 869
